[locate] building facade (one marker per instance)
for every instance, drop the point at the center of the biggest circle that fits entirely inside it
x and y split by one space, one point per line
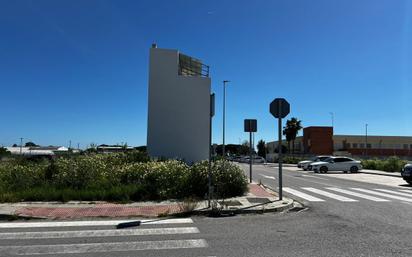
179 106
321 141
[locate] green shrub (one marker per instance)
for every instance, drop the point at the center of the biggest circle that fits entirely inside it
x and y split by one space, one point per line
291 159
115 177
391 164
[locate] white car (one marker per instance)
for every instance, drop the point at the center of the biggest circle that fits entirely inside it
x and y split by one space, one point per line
305 164
256 159
344 164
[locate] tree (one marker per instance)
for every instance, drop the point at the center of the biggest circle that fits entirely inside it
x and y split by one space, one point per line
15 145
261 146
4 152
30 144
291 130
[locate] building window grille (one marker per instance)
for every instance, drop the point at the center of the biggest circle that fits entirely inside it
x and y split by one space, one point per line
191 67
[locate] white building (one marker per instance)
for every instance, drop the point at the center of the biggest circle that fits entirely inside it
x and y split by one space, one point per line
179 106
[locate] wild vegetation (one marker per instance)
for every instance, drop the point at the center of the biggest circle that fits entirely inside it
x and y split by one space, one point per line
115 177
391 164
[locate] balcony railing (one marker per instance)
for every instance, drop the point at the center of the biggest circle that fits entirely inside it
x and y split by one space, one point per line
192 67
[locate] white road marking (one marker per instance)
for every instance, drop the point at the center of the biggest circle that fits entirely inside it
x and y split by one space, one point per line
330 195
102 247
269 177
383 194
314 177
90 223
406 190
394 192
99 233
302 195
368 197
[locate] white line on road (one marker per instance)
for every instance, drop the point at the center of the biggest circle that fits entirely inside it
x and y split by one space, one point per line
269 177
330 195
394 192
368 197
406 190
302 195
99 233
383 194
102 247
314 177
90 223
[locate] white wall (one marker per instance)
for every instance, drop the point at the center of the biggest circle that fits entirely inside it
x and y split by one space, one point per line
178 113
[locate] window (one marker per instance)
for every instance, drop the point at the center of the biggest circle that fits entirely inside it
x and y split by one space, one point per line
362 145
405 146
368 146
355 145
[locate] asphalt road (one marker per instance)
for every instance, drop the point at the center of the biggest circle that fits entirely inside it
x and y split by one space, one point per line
355 223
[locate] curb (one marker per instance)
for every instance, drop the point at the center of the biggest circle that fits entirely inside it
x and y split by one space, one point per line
380 174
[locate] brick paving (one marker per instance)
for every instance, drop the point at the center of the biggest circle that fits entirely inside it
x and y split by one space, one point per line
107 210
115 210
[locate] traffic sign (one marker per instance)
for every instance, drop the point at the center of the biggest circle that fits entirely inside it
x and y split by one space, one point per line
279 108
250 125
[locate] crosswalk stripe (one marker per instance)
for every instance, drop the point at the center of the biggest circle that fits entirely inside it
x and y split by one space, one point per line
383 194
368 197
302 195
90 223
102 247
394 192
330 195
99 233
406 191
269 177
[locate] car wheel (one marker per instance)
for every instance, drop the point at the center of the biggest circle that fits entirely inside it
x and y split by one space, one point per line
305 169
354 169
323 169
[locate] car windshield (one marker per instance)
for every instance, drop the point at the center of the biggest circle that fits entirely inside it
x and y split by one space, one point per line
329 159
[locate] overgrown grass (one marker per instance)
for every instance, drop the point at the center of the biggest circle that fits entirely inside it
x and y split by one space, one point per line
115 177
391 164
291 159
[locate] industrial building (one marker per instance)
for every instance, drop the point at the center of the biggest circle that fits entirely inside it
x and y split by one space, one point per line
322 141
179 106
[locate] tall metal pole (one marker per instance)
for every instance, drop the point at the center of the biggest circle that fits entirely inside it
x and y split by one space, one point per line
224 115
366 139
280 148
250 157
209 168
332 117
21 146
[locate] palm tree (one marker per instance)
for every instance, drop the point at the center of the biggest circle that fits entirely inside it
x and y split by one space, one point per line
291 130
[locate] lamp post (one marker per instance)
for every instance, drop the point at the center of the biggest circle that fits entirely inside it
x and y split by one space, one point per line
366 139
224 115
332 118
21 146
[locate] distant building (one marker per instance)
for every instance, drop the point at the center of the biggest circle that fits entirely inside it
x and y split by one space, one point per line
179 106
46 151
113 149
320 140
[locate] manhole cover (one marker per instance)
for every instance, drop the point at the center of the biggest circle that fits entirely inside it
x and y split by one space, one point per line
258 200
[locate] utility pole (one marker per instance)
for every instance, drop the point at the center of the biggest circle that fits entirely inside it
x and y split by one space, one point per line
21 146
70 144
224 114
366 139
332 118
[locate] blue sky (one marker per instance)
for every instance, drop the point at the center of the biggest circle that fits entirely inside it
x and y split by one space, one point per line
77 70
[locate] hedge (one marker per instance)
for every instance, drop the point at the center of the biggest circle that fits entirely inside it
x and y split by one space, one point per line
115 177
391 164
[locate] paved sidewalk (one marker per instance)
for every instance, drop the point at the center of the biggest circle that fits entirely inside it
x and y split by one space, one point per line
258 199
382 173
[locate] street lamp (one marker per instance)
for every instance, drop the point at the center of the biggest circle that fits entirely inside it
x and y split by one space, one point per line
366 139
332 118
224 113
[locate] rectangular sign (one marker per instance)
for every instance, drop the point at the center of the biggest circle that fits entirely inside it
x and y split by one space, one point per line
250 125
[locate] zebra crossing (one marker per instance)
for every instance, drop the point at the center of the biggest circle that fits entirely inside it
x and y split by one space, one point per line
27 238
354 194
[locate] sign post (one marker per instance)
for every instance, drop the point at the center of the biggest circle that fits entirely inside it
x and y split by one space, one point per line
209 168
250 126
280 108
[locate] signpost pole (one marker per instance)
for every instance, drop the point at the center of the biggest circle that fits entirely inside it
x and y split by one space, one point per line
250 157
280 150
209 168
